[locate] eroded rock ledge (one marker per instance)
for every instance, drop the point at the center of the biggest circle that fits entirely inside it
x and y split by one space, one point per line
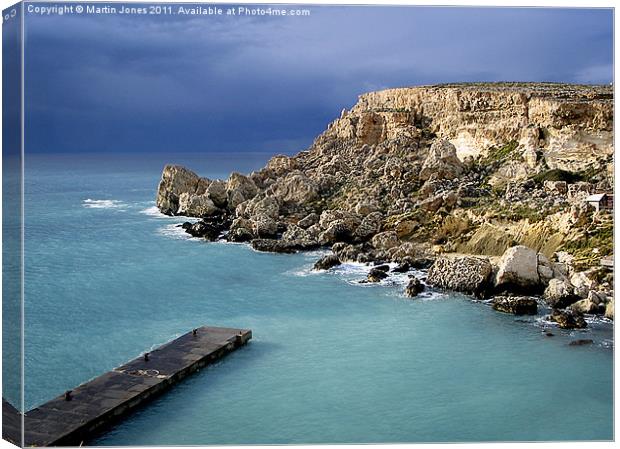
409 174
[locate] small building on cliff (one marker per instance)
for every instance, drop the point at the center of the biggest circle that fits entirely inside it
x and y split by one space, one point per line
601 201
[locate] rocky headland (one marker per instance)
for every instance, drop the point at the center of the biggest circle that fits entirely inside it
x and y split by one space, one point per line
484 185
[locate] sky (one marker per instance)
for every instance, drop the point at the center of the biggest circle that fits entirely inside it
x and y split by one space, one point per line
130 83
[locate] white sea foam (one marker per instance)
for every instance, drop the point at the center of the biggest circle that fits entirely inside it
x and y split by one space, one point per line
103 204
153 211
597 319
433 296
544 321
607 343
221 241
591 320
306 270
426 295
340 270
354 272
352 268
316 254
174 231
164 341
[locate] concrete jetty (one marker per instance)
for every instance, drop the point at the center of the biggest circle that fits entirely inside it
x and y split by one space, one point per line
11 423
78 415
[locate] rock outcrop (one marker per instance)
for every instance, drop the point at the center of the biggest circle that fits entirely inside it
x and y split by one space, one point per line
518 266
414 288
462 274
585 306
517 305
209 229
377 274
197 205
327 262
559 121
568 319
520 270
559 294
441 162
582 282
176 181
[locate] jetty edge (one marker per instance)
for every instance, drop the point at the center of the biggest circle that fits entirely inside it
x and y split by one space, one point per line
79 415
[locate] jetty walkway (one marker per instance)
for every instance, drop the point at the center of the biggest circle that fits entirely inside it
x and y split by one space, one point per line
76 416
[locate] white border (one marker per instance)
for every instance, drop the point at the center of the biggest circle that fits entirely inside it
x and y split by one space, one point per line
489 3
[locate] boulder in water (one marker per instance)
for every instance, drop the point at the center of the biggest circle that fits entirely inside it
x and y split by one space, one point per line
204 230
568 319
581 342
327 262
376 275
401 268
518 270
241 230
465 274
414 288
517 305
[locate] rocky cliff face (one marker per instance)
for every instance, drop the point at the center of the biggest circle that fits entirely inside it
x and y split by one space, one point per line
569 125
409 173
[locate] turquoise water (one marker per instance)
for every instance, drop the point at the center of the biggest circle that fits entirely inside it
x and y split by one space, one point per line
331 361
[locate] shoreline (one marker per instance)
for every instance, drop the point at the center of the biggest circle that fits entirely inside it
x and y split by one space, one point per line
541 320
455 178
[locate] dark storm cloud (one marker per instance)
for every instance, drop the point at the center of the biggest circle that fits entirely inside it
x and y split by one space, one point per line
115 83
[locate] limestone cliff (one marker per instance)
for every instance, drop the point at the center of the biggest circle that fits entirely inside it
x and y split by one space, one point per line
408 173
570 125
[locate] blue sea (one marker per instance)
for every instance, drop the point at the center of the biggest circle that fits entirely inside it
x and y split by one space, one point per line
331 361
